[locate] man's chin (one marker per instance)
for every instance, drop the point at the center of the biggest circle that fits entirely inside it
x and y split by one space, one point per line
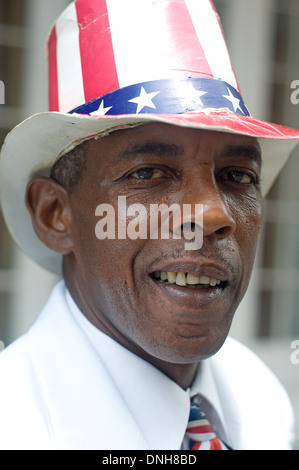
185 344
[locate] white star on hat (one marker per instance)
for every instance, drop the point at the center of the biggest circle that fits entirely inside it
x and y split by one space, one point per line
101 111
194 95
235 101
144 99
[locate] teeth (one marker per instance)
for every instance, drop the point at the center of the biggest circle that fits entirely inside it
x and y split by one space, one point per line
171 277
183 279
192 280
213 282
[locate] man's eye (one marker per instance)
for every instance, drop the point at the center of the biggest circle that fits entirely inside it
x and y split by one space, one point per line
147 174
238 177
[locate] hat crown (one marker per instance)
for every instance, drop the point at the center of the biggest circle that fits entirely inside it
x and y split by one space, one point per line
99 46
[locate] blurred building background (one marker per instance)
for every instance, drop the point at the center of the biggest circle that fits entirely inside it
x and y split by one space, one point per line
263 38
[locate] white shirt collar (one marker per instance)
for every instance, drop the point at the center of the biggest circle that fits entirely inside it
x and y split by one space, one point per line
159 406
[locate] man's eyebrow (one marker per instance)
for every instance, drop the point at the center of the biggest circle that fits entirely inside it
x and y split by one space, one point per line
159 149
162 149
249 151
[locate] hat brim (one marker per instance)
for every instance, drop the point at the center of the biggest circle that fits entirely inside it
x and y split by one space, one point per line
33 147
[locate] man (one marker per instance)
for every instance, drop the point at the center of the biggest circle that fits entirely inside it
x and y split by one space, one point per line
136 333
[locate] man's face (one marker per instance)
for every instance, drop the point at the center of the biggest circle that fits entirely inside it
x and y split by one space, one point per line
117 282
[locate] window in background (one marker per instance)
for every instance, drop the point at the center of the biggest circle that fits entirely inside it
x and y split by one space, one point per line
11 55
279 276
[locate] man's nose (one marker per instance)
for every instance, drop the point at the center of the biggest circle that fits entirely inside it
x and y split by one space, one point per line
217 220
206 198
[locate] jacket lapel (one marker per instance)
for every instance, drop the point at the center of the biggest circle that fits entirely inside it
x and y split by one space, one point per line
77 386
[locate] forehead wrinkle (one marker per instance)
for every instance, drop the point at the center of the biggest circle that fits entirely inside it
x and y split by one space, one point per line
152 148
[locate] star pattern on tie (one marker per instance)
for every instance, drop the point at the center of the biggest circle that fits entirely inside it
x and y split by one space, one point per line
144 99
101 111
201 433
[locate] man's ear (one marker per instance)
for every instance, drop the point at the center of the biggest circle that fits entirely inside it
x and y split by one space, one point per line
48 204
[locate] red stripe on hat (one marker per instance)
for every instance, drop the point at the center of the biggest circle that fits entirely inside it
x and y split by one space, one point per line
52 71
97 56
186 49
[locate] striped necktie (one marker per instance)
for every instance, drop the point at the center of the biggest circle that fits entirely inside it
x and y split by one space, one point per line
200 432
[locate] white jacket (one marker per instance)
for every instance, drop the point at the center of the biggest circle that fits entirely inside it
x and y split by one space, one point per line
67 387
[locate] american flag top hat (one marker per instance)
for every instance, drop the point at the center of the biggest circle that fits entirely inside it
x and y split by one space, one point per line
118 64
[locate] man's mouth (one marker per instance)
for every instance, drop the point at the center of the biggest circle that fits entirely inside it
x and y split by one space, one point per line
193 283
186 279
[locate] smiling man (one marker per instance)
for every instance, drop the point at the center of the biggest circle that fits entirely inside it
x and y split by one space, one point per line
131 350
117 283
